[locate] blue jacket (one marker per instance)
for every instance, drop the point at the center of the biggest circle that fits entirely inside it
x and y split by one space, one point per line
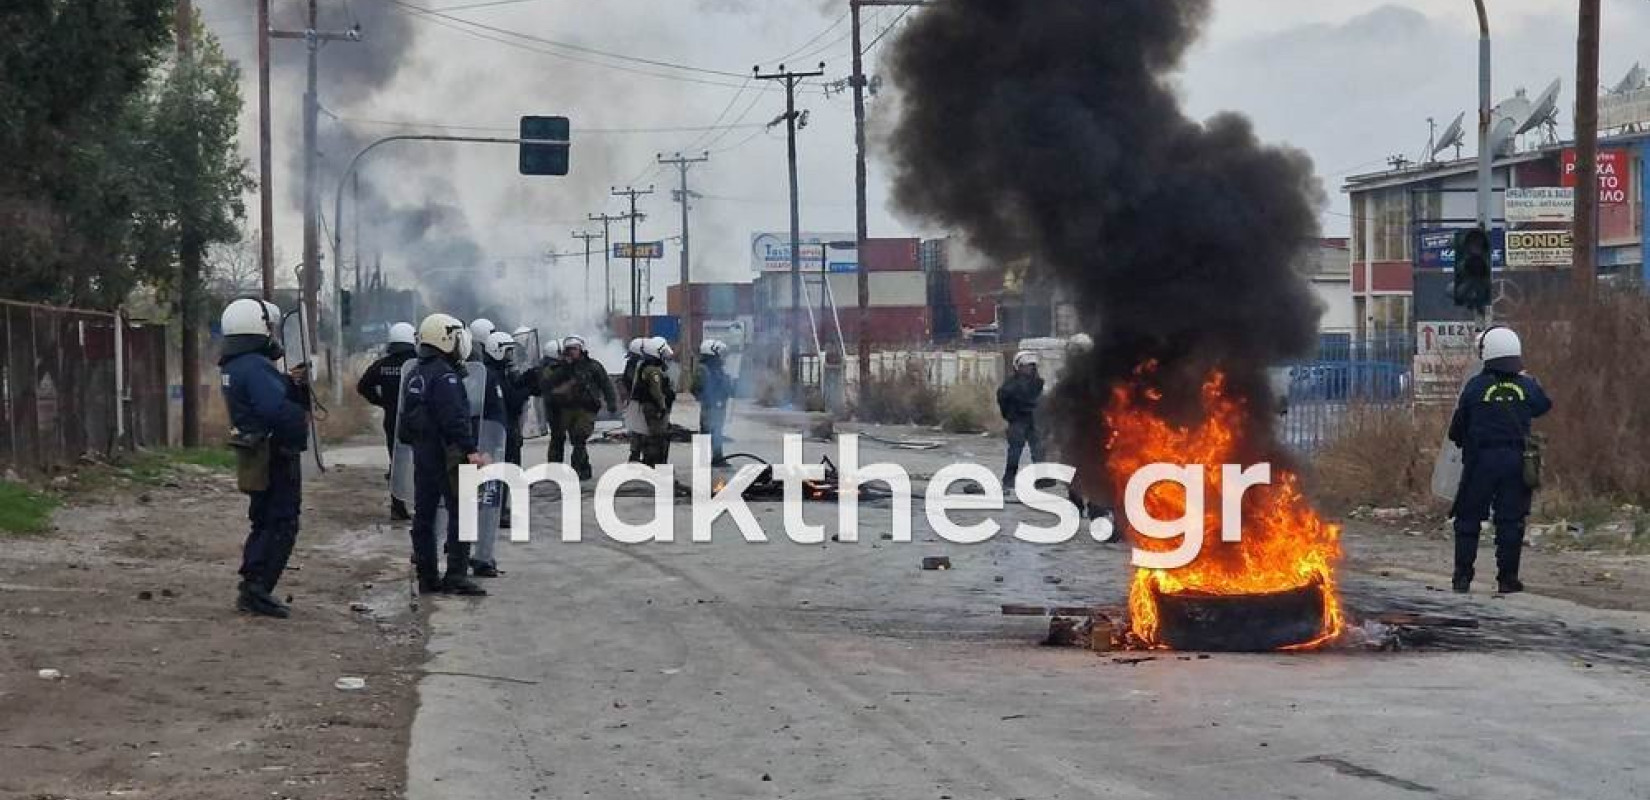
263 402
436 396
1496 409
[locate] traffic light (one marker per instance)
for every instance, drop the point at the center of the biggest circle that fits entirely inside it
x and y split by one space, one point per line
1473 253
346 308
545 159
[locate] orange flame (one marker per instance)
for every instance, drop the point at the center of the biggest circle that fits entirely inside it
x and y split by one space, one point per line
1285 544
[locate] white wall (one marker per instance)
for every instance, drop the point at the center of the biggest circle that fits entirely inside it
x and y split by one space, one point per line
1339 315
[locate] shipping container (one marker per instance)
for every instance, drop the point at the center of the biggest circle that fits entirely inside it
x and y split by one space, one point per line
891 255
886 289
886 325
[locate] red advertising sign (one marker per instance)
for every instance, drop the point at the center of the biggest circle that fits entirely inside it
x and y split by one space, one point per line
1612 175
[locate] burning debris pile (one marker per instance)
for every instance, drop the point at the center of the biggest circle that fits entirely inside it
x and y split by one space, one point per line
1050 134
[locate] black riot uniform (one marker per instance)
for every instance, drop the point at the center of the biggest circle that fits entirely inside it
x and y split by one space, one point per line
1491 425
1017 400
436 422
380 385
269 412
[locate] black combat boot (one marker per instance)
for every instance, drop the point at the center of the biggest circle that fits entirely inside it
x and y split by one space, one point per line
398 510
1509 585
255 599
457 580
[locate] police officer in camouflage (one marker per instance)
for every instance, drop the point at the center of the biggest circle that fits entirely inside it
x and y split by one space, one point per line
577 389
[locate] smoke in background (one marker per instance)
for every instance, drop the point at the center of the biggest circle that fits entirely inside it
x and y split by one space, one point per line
1052 132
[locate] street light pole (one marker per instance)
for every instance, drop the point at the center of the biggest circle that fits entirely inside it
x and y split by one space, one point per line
1585 252
682 164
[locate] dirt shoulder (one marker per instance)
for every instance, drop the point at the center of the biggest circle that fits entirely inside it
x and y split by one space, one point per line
1555 563
168 692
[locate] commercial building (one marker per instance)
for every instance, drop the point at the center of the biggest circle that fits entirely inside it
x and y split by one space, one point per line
1404 220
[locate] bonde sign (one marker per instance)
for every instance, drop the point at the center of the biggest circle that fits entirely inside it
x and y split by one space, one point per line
1539 248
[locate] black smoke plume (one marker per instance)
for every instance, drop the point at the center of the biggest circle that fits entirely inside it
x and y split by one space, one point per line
1050 132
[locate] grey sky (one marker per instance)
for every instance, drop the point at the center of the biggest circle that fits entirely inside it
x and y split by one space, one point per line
1349 82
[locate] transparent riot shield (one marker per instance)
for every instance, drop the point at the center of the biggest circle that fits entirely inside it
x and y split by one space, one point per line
535 417
401 466
295 341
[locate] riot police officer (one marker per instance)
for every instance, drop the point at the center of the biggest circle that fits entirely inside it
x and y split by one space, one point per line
269 412
1492 427
380 385
1017 400
713 388
635 427
436 419
577 389
655 396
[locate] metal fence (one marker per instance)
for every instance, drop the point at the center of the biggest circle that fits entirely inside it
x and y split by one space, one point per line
1321 394
75 382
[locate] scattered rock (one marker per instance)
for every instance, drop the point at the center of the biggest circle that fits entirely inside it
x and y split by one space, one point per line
1052 579
936 562
50 675
350 684
146 595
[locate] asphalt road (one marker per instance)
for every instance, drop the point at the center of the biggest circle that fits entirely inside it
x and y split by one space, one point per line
733 670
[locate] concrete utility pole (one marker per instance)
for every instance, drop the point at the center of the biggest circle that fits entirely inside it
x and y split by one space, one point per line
266 186
587 237
312 227
791 79
607 221
689 337
1486 163
1586 219
635 274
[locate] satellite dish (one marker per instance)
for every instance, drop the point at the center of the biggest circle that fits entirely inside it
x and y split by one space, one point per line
1507 119
1453 136
1635 78
1545 110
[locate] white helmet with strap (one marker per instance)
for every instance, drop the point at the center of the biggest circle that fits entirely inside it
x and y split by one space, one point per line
249 317
658 347
713 347
1025 358
1499 342
501 346
635 346
402 333
481 329
575 341
443 332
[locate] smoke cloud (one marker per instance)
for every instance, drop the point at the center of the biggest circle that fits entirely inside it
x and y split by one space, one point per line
1051 133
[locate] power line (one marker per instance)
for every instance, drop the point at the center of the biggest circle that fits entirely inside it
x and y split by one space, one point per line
593 51
504 129
889 29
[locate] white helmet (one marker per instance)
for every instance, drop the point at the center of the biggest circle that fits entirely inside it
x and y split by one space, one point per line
572 342
501 346
481 329
250 317
1025 358
402 333
635 347
552 348
1499 343
657 347
1080 342
713 347
443 332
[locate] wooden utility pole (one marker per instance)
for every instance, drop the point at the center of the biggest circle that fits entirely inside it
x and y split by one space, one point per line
861 226
607 221
587 237
313 39
791 79
1586 219
189 261
689 337
266 188
635 274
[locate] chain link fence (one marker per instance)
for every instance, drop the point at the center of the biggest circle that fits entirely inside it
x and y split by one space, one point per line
64 374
